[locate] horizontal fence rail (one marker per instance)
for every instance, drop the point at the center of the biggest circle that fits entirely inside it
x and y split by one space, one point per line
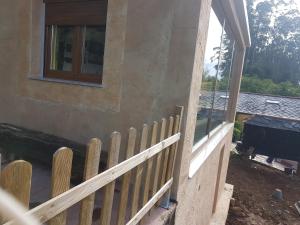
149 173
58 204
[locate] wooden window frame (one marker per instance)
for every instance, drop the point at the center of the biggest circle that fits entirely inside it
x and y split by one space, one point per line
94 20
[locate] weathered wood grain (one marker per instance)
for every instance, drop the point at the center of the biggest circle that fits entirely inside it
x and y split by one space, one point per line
150 165
16 180
60 180
166 153
113 157
58 204
121 220
159 157
139 173
91 169
137 218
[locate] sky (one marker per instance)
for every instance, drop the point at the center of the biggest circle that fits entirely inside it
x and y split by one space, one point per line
213 40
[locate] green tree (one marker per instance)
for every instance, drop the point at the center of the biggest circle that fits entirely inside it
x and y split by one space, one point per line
275 36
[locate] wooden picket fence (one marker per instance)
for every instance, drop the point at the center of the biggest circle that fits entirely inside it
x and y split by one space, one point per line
148 175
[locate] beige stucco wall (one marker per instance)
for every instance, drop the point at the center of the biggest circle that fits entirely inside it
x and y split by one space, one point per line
137 75
153 62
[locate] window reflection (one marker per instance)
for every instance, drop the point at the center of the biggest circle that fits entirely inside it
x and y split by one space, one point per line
93 49
221 93
61 48
213 98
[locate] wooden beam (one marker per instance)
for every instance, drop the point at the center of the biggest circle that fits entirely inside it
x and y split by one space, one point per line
58 204
235 83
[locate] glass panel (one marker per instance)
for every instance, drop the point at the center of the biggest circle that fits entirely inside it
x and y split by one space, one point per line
93 49
222 82
61 48
211 62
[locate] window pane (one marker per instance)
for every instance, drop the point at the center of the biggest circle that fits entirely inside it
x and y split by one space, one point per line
211 62
93 49
61 48
222 82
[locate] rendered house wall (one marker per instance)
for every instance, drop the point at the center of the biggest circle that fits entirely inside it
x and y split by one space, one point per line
153 61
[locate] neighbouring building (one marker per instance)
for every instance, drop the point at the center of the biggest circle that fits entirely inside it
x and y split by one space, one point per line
80 69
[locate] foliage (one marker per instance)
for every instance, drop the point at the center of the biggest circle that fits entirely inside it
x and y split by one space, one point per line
254 84
237 131
236 135
275 36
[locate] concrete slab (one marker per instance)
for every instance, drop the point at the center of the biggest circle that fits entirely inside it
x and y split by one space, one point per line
220 216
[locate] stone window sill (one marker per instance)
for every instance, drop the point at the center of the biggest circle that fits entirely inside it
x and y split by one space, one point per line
201 152
68 82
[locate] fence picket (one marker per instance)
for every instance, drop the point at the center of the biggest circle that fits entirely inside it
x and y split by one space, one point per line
179 111
126 179
109 189
173 150
139 173
16 179
159 160
60 181
173 147
92 161
166 153
159 157
150 164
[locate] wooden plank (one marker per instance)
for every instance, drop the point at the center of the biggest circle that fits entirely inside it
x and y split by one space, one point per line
54 206
113 157
121 220
174 147
150 165
91 169
159 157
16 180
173 150
139 174
60 180
166 154
137 218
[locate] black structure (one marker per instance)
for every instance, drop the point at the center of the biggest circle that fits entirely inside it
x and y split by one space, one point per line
274 137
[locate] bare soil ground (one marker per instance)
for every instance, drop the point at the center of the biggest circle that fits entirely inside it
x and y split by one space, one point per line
253 203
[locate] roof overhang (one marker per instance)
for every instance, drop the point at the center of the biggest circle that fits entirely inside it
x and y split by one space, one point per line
236 15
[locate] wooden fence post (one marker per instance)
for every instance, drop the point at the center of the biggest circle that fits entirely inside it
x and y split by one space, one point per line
60 181
139 173
126 179
109 189
92 160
